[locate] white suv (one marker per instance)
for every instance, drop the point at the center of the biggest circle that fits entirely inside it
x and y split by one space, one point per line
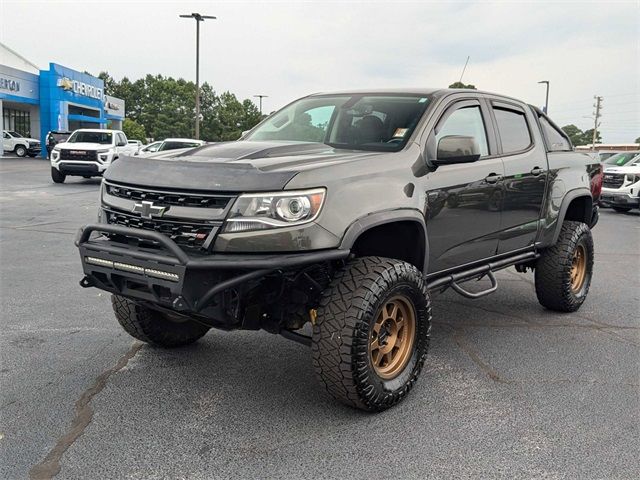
621 186
88 153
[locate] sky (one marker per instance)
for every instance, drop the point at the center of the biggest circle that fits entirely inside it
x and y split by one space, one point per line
287 49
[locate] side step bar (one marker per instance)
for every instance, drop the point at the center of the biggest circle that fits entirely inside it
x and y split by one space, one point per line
455 279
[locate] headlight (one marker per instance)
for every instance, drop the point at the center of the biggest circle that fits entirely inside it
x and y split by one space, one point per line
274 210
103 154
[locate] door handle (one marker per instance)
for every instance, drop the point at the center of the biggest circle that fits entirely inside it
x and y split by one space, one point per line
493 178
537 171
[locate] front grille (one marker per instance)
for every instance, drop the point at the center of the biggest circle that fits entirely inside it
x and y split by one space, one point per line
181 199
186 234
613 180
82 155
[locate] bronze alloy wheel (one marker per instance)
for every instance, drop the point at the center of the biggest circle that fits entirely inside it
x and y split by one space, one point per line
392 337
578 268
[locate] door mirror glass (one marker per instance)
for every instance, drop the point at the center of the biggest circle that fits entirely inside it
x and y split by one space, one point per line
457 149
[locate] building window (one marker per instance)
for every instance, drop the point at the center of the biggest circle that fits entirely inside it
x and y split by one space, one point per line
18 121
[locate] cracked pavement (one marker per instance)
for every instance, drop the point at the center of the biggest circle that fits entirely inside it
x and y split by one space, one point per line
509 390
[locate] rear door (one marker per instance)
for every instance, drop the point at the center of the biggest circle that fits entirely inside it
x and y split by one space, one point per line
462 213
526 169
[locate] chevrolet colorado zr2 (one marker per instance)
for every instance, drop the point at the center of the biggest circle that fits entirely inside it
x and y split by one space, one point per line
346 211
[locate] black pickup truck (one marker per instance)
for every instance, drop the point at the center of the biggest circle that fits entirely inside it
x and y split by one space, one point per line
346 211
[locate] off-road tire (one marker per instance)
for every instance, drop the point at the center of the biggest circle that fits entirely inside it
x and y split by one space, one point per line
553 269
56 176
154 327
20 150
341 334
622 209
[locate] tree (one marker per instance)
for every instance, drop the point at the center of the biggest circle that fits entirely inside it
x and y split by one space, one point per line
588 137
462 85
575 134
133 130
637 140
165 107
578 137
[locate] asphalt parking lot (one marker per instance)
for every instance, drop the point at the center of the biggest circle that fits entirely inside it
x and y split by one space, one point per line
509 389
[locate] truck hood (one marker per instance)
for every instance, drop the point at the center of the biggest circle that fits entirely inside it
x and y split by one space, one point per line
83 146
231 166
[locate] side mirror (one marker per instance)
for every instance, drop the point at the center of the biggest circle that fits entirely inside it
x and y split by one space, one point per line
457 149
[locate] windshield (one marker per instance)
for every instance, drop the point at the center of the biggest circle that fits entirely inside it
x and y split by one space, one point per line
175 145
620 159
14 134
103 138
361 122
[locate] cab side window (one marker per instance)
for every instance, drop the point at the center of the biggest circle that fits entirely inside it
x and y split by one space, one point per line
466 121
556 140
513 129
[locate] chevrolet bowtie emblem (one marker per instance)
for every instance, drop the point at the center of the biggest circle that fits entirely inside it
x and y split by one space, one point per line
65 83
148 209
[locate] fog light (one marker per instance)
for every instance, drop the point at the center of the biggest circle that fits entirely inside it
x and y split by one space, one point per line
98 261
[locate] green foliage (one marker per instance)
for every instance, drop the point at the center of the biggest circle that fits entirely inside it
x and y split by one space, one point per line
462 85
588 137
133 130
166 108
575 134
578 137
637 140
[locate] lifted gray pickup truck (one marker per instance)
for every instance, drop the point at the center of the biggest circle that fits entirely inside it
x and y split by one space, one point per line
346 211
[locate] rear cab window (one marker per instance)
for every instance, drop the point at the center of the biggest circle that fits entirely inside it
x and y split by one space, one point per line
513 128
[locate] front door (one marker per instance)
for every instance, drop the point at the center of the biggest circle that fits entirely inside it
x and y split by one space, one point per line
463 205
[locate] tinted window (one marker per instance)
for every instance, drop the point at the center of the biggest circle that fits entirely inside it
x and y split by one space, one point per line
78 136
363 122
620 159
513 129
466 121
556 141
176 145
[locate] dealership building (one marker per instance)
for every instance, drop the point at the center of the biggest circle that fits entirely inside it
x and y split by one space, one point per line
35 101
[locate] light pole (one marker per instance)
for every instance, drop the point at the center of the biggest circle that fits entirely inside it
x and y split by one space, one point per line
261 97
198 18
546 101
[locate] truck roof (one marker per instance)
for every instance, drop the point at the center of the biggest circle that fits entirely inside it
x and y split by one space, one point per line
440 92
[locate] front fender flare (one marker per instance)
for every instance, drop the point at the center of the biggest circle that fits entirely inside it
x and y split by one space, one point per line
362 224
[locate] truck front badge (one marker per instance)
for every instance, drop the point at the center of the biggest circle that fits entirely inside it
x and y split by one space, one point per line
148 209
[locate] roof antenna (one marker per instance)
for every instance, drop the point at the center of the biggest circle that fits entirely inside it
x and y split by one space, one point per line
465 68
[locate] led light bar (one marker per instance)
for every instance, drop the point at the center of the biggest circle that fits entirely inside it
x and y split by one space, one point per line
127 267
161 274
99 261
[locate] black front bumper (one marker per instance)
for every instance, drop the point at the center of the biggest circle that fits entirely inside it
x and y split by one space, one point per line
168 276
34 150
79 169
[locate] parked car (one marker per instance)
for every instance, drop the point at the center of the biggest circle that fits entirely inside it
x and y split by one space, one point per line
88 153
178 143
54 137
22 146
137 144
150 148
602 156
321 216
621 186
